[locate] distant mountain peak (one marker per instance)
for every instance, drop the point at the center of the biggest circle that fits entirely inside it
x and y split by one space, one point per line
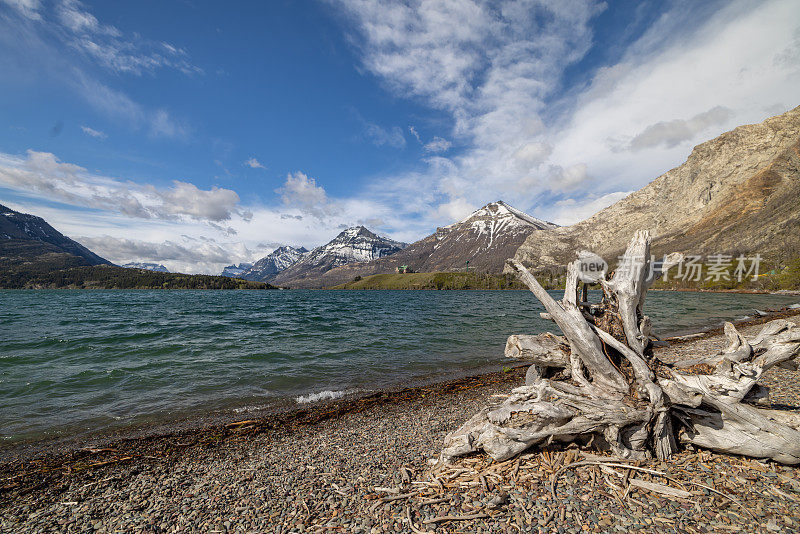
273 263
156 267
355 231
235 271
499 210
356 244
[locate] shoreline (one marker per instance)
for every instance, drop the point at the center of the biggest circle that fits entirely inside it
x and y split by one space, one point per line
169 445
788 292
282 415
285 411
362 465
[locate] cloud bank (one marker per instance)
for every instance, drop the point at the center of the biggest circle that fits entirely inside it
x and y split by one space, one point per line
44 174
529 139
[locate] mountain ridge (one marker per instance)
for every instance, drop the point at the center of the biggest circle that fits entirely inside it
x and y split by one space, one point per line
273 263
25 237
356 244
736 193
486 238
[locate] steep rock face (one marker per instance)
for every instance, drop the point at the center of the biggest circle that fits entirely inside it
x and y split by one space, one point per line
738 193
485 239
353 245
26 237
276 261
156 267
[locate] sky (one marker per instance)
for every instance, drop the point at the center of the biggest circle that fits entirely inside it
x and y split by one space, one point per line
200 134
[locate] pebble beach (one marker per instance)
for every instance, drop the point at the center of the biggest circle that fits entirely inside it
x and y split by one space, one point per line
363 466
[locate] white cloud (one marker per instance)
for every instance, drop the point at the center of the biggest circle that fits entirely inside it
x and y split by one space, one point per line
27 8
491 71
437 144
42 173
415 133
108 47
162 124
568 178
302 193
569 210
97 134
456 209
498 74
253 163
379 136
183 254
673 133
721 73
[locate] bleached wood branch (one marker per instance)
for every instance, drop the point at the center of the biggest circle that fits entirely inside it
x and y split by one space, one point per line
613 398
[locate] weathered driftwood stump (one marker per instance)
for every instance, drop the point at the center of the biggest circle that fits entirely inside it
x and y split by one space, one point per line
600 384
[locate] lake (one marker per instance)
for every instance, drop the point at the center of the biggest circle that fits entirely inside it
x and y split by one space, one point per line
76 362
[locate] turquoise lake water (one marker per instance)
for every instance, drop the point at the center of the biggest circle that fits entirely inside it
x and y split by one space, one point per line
73 362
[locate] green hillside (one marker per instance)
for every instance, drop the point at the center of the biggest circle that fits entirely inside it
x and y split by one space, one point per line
434 281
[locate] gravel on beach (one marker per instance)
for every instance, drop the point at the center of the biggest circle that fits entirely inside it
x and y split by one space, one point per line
363 466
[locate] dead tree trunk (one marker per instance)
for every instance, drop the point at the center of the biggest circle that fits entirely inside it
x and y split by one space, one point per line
610 391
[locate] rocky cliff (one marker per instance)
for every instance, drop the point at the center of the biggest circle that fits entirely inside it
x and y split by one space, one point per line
738 193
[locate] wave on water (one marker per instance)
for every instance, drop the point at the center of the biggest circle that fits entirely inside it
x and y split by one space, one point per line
70 359
322 395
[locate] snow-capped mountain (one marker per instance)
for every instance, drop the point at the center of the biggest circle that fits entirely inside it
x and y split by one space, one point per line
482 242
276 261
496 220
157 267
235 271
353 245
24 236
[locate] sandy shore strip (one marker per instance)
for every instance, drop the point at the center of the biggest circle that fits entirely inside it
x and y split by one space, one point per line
362 466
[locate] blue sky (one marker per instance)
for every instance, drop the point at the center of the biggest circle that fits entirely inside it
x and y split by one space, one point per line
198 134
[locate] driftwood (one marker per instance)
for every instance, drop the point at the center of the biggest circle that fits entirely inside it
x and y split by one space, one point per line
611 392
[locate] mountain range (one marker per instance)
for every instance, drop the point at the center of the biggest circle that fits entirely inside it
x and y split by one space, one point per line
482 242
278 260
736 194
352 245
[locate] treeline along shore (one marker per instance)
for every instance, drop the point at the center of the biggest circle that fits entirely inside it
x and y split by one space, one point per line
113 277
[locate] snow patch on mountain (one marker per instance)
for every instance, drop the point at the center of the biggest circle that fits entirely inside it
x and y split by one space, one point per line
491 221
235 271
356 244
275 262
157 267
